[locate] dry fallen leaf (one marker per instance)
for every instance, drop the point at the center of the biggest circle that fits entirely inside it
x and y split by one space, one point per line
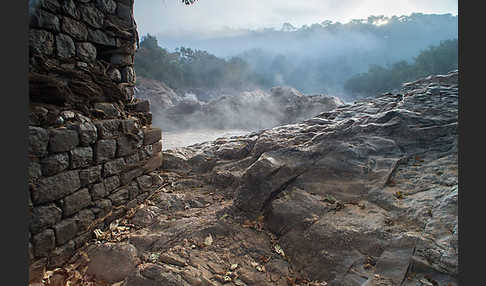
208 240
279 250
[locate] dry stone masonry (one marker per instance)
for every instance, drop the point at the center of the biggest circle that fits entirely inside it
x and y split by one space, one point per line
92 150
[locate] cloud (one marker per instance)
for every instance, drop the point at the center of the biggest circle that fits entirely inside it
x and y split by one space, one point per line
172 17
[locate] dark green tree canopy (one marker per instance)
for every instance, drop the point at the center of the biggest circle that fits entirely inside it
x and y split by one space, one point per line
439 59
188 68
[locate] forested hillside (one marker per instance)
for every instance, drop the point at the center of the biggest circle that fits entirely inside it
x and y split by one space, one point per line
187 68
372 54
434 60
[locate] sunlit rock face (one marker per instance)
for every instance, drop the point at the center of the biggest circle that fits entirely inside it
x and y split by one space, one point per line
363 193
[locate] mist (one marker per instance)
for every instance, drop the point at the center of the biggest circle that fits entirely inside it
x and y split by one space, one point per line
319 58
315 61
249 111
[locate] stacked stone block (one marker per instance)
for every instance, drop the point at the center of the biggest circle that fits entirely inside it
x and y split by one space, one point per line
93 157
80 172
81 33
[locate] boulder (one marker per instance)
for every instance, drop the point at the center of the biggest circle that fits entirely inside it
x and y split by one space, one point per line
112 262
356 195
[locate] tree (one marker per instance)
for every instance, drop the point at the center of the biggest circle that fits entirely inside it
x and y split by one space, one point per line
434 60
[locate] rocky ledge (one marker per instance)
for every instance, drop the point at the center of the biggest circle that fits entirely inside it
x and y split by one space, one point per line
364 194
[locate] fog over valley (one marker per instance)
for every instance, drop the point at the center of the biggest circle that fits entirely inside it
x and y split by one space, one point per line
211 69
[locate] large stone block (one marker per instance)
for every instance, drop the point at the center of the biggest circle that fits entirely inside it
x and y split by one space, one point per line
108 129
140 106
41 42
129 126
61 254
132 160
56 187
145 182
153 163
111 183
74 28
121 59
50 5
128 74
86 51
119 197
107 6
55 164
108 108
43 217
98 191
81 157
145 152
69 7
62 140
45 20
157 179
90 175
126 2
65 46
102 208
84 219
128 176
92 16
44 242
114 74
127 145
129 93
105 150
124 12
101 38
34 170
87 132
157 147
133 190
76 202
152 135
65 231
38 141
114 167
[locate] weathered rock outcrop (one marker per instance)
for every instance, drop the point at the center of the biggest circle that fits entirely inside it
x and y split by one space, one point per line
365 193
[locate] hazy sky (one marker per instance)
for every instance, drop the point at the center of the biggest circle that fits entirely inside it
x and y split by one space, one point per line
172 17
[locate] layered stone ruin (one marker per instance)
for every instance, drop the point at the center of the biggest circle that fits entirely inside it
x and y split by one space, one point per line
92 149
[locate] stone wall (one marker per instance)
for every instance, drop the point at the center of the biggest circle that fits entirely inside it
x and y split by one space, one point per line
92 150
